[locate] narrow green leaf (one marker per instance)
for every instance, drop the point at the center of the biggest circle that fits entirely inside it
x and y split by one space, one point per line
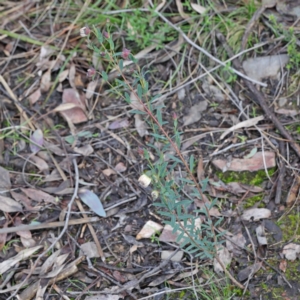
104 76
175 159
159 117
192 161
140 91
121 64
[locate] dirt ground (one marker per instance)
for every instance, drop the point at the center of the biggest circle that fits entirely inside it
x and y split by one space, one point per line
149 150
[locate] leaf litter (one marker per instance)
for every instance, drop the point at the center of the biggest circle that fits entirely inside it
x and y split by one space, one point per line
110 160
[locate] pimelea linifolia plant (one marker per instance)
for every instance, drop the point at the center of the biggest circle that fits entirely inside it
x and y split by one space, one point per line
196 238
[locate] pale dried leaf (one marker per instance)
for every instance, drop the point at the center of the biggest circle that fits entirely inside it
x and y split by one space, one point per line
180 9
181 94
120 167
194 114
287 112
35 96
119 124
256 214
291 251
37 140
46 82
65 106
198 8
225 257
27 243
9 205
144 180
63 75
90 249
165 254
85 150
54 272
24 254
160 5
76 114
49 262
149 229
108 172
265 67
140 126
236 243
5 183
247 123
92 201
46 51
90 89
40 163
72 73
38 195
135 101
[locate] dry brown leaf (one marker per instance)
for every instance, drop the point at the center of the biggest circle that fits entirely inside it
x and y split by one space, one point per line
91 89
293 193
85 150
76 114
108 172
259 161
283 265
135 102
120 167
200 170
63 75
35 96
140 125
46 82
72 73
38 196
40 163
24 200
9 205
